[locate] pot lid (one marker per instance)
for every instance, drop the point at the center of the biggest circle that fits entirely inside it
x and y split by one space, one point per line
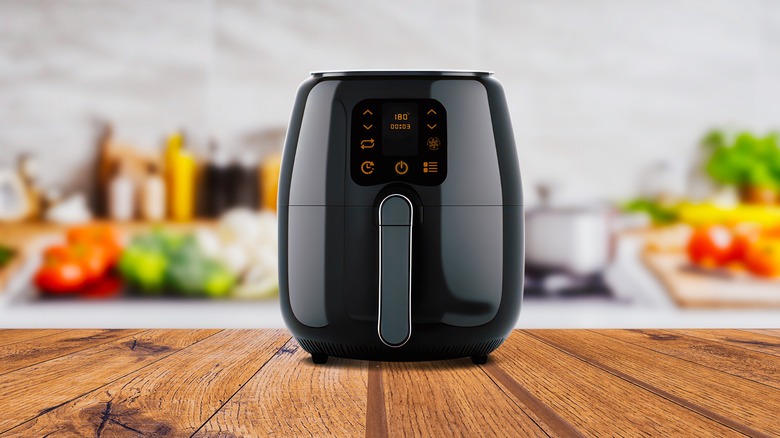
554 199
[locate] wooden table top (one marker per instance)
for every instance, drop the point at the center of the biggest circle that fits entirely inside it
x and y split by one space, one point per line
231 383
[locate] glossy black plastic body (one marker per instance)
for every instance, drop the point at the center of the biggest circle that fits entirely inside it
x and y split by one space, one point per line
467 251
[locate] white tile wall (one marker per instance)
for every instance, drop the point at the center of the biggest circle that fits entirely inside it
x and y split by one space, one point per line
598 89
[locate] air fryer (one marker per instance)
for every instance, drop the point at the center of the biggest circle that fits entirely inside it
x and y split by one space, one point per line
400 216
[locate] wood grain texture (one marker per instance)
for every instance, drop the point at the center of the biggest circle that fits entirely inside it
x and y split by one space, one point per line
752 341
717 355
741 404
29 352
592 400
546 418
768 332
450 398
31 391
291 396
12 336
248 383
376 412
175 397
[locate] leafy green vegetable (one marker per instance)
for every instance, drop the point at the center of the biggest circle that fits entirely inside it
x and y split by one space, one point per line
219 281
714 139
187 274
745 160
660 214
144 267
6 255
160 260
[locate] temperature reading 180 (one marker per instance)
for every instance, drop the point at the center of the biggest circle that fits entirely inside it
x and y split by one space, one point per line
400 117
399 128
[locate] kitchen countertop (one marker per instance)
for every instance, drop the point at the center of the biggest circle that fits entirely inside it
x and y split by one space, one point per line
259 382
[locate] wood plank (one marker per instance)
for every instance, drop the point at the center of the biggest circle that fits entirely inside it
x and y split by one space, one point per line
442 398
291 396
737 338
25 353
29 392
744 405
172 398
592 400
376 414
11 336
717 355
546 418
768 332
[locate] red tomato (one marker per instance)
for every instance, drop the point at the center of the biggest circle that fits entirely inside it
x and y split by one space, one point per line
56 253
106 287
60 276
711 246
763 258
745 235
93 258
105 236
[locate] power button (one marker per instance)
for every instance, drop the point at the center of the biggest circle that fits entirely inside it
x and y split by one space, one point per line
401 167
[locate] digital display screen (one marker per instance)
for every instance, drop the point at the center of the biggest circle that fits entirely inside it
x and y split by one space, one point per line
399 129
398 140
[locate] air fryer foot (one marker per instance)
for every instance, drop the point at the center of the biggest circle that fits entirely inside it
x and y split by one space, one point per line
479 360
319 358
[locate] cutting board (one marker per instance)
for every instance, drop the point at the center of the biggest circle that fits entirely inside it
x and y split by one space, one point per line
692 288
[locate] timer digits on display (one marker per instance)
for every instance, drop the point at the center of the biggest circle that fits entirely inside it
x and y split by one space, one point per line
400 128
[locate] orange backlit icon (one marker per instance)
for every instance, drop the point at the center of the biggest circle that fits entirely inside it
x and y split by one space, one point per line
430 126
368 112
367 144
401 167
431 111
367 127
367 167
431 167
433 143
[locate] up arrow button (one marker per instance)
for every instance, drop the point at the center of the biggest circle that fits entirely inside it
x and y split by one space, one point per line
431 111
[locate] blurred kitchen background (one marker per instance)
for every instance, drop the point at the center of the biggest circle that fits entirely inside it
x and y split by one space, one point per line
140 141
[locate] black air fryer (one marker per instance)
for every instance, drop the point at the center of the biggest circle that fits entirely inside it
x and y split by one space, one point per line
400 216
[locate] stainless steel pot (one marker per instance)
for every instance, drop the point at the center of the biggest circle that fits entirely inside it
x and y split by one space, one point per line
575 239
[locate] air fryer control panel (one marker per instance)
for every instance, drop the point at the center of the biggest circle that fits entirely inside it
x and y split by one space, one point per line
398 140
